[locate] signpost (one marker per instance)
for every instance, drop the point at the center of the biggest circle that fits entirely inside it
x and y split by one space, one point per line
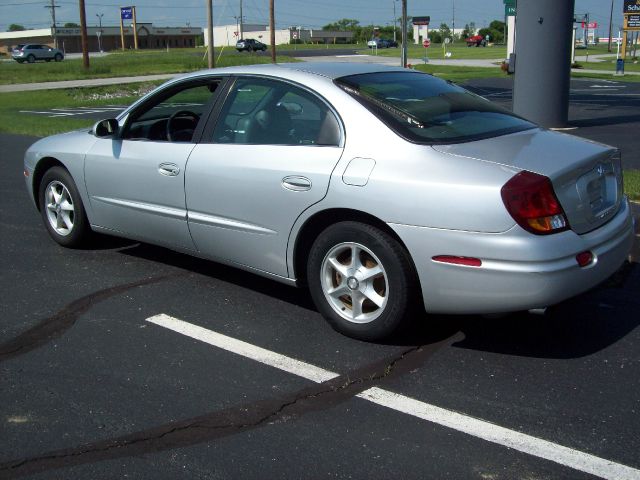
631 12
128 13
426 44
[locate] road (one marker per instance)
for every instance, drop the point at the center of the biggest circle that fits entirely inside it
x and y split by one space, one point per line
123 360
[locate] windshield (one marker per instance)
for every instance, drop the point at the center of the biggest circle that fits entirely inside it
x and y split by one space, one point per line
425 109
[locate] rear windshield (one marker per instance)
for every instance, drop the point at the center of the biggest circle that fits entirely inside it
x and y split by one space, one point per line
425 109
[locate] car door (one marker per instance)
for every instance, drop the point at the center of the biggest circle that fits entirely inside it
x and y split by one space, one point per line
268 158
135 180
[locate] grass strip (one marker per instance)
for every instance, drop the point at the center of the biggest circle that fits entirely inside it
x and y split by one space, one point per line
127 64
632 184
460 74
12 106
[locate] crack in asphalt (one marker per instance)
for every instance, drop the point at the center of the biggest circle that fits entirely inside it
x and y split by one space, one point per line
232 420
57 324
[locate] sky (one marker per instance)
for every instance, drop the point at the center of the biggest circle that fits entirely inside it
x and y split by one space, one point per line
307 14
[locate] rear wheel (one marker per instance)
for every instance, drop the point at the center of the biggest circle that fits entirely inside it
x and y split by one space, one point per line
31 59
58 57
361 280
61 207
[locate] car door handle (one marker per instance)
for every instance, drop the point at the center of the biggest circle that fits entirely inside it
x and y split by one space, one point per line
296 183
169 169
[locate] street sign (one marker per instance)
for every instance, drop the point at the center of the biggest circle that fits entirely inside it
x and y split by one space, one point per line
421 20
126 13
632 22
426 43
510 10
631 6
294 35
590 25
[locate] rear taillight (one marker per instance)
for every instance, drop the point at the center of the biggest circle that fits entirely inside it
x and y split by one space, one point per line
531 201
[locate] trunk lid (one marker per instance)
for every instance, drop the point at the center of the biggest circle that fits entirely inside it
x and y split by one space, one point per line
586 176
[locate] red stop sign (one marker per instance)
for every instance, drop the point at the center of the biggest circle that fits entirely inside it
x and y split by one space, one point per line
426 43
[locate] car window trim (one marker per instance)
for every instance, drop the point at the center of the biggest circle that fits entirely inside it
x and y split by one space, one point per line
215 114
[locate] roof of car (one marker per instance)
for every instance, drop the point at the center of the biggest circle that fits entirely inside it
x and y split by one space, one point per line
330 70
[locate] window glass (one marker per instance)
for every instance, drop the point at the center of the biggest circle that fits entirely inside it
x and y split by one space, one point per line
425 109
269 112
173 117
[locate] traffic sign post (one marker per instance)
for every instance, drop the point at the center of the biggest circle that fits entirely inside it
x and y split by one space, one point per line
426 44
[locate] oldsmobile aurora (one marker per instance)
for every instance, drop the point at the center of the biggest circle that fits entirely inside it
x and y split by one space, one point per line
385 191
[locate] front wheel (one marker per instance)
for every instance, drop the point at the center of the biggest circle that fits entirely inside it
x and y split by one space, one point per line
31 59
361 280
61 207
58 57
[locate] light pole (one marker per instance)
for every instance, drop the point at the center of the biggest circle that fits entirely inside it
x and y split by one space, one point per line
395 19
100 15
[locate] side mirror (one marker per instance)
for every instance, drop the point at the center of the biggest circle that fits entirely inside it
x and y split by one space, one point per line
106 128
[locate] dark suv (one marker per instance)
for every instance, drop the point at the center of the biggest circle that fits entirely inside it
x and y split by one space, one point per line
32 52
250 45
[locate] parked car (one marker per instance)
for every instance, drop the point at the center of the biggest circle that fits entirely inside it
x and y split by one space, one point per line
250 45
476 41
383 190
380 43
32 52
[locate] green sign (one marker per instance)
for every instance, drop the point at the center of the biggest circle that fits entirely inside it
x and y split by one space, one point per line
509 10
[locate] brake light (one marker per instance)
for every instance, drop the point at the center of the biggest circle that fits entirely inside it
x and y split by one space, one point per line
533 204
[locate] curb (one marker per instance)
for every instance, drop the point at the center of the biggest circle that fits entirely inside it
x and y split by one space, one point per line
634 255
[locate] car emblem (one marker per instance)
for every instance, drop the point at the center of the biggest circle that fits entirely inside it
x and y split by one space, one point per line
600 169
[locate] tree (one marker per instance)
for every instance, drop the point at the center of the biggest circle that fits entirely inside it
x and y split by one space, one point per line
14 27
71 25
445 31
469 30
495 31
343 24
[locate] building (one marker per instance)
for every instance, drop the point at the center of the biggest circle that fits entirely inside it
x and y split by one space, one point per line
228 35
106 38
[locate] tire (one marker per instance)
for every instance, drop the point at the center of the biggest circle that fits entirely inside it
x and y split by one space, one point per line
62 211
58 57
355 261
31 59
20 61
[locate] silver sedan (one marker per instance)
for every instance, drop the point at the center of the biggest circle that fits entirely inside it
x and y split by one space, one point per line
385 191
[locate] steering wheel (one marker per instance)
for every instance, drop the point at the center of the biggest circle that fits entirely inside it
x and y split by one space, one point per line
186 114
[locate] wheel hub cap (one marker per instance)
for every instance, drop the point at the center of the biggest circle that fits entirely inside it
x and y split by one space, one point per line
354 282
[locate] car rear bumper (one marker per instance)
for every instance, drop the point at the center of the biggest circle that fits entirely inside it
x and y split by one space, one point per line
519 271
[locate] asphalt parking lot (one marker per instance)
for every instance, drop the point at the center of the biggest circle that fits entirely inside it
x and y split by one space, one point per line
128 360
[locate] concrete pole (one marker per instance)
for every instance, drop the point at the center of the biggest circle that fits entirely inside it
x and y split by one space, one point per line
511 34
543 61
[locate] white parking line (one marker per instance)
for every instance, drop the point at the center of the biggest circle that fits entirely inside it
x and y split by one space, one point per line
490 432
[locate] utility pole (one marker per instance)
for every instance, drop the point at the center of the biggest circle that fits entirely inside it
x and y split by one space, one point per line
395 20
100 15
453 20
586 30
610 26
85 40
241 30
272 21
212 60
403 59
53 7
